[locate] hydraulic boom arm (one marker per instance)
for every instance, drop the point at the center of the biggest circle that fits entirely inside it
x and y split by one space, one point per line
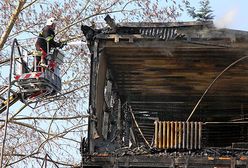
14 97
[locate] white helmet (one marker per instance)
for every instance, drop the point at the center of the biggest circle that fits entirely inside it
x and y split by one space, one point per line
50 21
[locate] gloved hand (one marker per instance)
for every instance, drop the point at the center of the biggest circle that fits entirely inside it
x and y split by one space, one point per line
62 44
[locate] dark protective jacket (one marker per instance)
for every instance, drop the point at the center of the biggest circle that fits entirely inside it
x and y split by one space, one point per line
47 35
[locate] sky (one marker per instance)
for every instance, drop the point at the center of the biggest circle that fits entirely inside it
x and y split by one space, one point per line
228 13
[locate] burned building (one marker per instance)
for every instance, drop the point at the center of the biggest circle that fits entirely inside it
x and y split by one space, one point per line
167 95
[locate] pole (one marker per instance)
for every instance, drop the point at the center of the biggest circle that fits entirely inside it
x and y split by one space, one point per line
8 97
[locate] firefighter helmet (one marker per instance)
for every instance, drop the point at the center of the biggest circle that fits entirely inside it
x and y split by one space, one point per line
50 21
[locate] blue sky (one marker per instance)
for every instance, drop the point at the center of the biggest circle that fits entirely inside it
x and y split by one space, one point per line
234 11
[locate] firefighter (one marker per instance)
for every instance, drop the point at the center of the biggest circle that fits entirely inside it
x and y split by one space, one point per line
46 39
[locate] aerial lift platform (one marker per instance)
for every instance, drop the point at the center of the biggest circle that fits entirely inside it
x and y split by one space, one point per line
33 81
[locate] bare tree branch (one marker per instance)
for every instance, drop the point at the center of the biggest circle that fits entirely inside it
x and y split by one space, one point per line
28 5
12 117
40 158
11 23
86 18
51 118
61 134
